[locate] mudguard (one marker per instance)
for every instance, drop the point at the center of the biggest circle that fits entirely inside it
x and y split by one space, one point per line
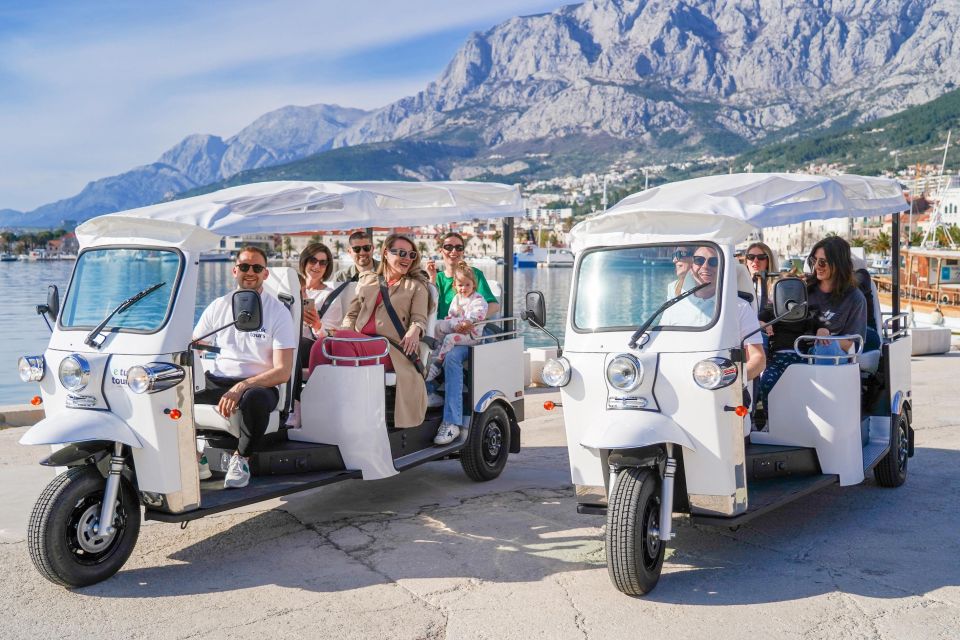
636 429
81 425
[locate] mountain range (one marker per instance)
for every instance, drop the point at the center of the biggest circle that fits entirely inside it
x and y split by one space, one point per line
575 88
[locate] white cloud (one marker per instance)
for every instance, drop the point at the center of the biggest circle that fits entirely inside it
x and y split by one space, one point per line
96 98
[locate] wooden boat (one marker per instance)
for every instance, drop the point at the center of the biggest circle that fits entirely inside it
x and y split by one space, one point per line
929 278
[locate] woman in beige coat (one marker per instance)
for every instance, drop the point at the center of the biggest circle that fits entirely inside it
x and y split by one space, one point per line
367 316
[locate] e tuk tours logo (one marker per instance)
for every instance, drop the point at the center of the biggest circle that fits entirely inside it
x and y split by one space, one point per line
118 376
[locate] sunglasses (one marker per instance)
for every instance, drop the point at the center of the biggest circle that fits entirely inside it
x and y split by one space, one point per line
817 262
701 260
366 248
450 248
244 267
403 253
753 257
312 260
681 254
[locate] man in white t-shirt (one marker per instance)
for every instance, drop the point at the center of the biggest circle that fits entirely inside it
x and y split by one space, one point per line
250 365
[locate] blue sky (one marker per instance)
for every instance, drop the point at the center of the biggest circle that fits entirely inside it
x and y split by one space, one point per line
90 89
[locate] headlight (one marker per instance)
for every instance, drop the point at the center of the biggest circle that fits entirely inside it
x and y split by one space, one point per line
31 368
74 372
153 377
714 373
556 372
625 373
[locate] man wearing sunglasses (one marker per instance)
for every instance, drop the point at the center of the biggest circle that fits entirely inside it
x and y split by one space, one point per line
361 250
250 365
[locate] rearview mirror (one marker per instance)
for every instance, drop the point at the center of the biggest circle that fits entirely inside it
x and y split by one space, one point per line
536 312
790 299
247 310
52 308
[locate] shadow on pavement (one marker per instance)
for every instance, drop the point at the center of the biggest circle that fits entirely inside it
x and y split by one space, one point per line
864 540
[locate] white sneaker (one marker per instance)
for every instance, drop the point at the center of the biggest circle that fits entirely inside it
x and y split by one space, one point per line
447 433
433 372
238 473
204 467
434 400
293 420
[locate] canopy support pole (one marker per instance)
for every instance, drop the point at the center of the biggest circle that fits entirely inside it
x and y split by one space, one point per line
895 274
507 305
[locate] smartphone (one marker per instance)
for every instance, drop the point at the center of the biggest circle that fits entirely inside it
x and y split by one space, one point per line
309 303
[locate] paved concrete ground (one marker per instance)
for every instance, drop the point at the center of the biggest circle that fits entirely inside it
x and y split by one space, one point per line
431 554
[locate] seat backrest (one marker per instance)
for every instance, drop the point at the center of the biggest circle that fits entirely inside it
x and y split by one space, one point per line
284 284
745 286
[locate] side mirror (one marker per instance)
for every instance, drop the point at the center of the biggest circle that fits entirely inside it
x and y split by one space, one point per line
53 303
790 299
52 309
247 310
536 312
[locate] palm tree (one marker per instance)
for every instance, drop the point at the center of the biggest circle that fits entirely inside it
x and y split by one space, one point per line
287 247
496 240
316 238
881 244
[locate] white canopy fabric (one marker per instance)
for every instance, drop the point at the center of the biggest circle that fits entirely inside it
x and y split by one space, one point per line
290 207
727 208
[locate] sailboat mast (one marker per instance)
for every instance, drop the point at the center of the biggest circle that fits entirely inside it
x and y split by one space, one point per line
930 237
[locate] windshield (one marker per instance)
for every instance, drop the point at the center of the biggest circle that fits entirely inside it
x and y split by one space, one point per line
619 288
104 278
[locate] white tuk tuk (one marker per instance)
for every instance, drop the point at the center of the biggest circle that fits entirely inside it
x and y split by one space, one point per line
118 377
653 400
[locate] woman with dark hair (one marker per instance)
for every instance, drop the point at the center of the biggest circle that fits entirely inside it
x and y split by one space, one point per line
316 266
839 305
408 294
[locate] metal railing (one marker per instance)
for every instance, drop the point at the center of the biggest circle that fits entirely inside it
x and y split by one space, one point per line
896 326
848 358
500 334
356 360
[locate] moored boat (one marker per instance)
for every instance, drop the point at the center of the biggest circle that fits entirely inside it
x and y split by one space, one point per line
929 281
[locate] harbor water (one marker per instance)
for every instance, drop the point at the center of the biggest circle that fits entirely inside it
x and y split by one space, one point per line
23 285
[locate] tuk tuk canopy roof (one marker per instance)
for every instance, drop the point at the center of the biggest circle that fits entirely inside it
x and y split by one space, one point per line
727 208
290 207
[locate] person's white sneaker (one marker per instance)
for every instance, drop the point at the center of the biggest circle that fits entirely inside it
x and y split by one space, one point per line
238 473
204 467
447 433
434 400
433 373
293 420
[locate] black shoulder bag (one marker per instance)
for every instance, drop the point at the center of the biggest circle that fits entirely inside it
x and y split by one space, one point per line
414 357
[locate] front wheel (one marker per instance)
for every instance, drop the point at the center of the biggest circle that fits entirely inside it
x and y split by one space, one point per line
63 544
484 455
634 549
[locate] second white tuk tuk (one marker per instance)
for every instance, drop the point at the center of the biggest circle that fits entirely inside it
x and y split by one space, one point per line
652 378
118 377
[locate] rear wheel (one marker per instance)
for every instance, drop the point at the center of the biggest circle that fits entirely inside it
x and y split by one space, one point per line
488 443
61 536
634 549
891 471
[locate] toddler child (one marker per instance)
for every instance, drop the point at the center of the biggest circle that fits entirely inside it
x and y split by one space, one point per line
467 307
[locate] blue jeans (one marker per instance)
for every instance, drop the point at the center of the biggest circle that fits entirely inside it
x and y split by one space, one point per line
832 348
452 384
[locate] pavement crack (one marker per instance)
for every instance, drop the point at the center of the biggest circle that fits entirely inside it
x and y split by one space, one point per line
579 619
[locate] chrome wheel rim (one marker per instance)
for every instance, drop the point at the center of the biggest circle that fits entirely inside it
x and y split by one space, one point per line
492 442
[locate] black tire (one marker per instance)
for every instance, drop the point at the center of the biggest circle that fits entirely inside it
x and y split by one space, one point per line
891 471
60 549
488 444
634 556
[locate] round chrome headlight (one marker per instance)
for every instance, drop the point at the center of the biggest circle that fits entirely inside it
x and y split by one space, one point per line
31 368
714 373
138 380
556 372
74 372
624 373
153 377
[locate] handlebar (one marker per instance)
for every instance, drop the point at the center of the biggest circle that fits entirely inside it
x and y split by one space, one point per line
850 357
901 330
500 334
356 360
205 347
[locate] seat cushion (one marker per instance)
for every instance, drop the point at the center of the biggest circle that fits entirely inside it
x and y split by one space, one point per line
869 361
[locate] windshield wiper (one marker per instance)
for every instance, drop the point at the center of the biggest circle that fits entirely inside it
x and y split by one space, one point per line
123 306
666 305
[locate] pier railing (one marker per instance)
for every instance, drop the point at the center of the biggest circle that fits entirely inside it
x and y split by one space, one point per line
943 297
